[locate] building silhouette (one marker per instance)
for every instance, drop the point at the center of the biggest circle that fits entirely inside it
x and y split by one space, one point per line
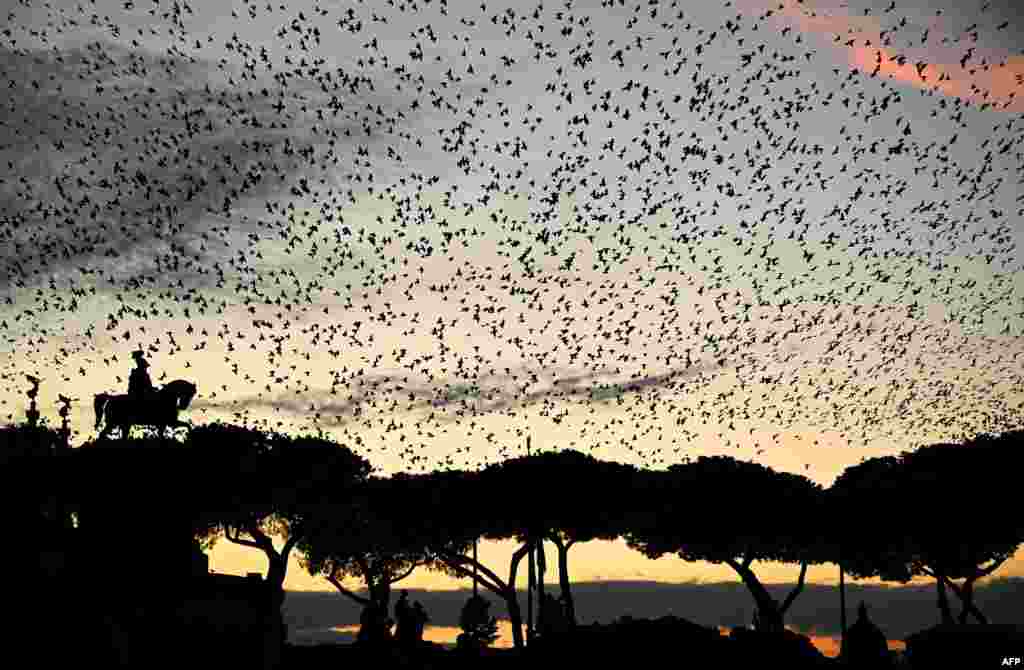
123 582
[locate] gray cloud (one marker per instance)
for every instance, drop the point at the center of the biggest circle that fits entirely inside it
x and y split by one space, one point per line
490 394
146 168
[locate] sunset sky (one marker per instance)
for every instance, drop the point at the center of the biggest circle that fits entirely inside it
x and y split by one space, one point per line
787 232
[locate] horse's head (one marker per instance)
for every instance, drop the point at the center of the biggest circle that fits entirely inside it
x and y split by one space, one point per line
188 392
181 390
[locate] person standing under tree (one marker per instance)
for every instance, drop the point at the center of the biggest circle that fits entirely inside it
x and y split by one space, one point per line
420 619
403 617
479 628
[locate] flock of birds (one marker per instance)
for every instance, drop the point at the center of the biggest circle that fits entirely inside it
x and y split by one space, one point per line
649 223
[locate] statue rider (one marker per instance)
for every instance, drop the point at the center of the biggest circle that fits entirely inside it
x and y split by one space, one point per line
140 386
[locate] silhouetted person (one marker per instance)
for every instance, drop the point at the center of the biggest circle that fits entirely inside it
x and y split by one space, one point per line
373 625
365 625
404 618
140 386
552 615
767 621
420 619
865 645
479 628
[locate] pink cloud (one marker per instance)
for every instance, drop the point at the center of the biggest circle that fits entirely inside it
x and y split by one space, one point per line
938 66
996 83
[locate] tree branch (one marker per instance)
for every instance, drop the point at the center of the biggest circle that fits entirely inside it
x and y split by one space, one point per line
365 568
293 539
239 541
967 602
262 541
517 556
796 590
408 572
985 572
953 586
354 596
451 559
498 589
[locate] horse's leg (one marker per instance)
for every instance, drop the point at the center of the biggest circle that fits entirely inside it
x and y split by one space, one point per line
108 425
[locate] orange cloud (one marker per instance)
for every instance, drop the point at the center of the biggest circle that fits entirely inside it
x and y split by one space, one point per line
995 84
863 38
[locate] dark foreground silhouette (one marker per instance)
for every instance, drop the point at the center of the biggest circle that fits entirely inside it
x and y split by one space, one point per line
158 606
685 644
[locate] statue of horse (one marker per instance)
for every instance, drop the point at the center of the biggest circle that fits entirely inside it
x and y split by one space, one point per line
122 412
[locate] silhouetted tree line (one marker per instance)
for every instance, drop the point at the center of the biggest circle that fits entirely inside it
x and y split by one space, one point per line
946 511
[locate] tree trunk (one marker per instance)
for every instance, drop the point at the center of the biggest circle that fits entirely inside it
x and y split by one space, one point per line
944 611
275 581
530 588
797 590
515 617
542 568
276 570
512 601
382 595
563 579
769 616
966 592
842 607
277 563
275 578
506 591
966 595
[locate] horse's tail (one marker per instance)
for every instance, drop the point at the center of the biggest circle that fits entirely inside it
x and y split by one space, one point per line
98 402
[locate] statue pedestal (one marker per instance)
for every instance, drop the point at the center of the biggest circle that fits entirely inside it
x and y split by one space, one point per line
138 570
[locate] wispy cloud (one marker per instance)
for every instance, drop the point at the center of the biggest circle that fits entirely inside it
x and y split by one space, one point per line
490 394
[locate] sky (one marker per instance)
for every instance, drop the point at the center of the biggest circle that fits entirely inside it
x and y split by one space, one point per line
786 232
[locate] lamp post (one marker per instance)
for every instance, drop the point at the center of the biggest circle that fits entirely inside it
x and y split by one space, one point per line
531 581
62 446
842 609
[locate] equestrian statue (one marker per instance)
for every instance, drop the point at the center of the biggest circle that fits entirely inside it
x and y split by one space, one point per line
143 405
